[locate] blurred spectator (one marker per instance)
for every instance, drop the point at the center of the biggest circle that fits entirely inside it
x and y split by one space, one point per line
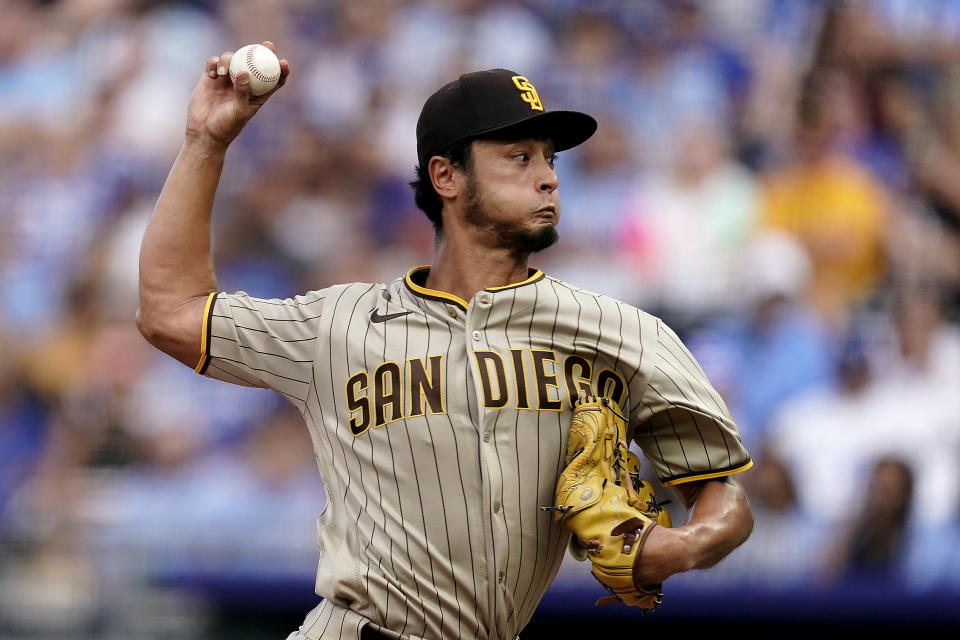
779 42
774 347
823 436
872 547
918 374
834 206
58 367
830 439
923 345
683 229
922 157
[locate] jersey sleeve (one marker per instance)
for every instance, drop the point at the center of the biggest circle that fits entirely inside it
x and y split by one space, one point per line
683 425
262 343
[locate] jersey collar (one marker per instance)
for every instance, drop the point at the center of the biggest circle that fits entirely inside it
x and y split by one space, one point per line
418 275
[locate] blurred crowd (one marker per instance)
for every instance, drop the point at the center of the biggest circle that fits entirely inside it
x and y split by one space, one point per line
779 180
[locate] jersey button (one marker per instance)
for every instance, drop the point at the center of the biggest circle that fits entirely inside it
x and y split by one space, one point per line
496 507
500 576
451 312
486 437
476 335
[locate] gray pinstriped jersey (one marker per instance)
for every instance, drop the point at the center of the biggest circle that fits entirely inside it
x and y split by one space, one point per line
440 428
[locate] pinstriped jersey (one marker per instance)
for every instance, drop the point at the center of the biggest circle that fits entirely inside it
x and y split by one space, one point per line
440 427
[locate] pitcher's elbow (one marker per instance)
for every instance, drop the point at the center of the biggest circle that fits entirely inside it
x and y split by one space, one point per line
147 328
746 522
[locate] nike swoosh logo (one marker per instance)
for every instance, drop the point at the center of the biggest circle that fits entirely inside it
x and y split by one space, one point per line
376 317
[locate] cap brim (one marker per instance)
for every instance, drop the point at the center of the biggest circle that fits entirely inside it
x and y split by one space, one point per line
566 129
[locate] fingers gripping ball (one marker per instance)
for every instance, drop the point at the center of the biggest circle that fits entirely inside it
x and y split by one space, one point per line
261 63
603 501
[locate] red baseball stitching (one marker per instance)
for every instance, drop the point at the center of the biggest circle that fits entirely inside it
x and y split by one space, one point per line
255 72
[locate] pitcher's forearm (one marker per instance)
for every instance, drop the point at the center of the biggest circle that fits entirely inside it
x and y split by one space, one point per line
176 265
721 520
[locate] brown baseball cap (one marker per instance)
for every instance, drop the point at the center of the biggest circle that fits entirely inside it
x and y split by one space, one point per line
494 102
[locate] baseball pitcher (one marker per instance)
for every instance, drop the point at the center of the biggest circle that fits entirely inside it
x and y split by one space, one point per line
471 419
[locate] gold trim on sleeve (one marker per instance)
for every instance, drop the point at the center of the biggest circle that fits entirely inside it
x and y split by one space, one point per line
205 334
708 476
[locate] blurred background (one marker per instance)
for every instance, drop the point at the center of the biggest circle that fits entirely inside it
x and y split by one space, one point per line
778 179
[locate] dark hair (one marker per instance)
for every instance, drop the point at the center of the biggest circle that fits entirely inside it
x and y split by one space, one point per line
425 196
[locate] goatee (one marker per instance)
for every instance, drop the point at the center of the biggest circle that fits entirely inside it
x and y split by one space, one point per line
518 241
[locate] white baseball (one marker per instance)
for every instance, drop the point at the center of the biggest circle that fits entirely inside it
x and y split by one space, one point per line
261 63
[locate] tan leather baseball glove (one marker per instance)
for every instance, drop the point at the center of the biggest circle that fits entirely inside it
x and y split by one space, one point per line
602 500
